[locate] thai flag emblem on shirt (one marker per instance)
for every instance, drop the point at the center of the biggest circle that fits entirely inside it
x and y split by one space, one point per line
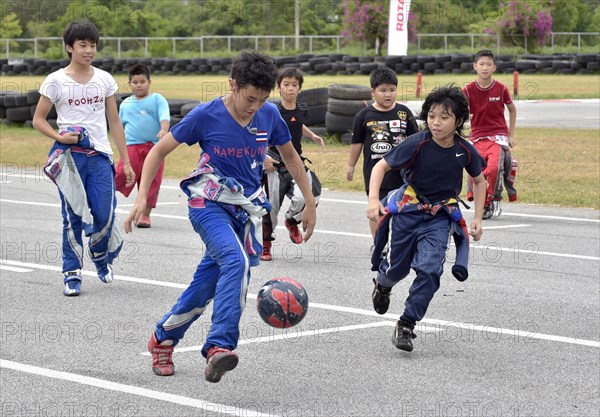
394 123
261 136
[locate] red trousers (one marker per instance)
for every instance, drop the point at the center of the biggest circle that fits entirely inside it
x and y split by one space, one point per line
491 152
137 156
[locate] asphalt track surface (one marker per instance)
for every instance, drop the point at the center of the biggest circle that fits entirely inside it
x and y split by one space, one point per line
519 338
567 113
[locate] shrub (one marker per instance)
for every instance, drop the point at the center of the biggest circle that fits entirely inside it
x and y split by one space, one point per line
522 19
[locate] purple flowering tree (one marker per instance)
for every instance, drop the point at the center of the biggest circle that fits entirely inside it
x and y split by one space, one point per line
366 21
522 19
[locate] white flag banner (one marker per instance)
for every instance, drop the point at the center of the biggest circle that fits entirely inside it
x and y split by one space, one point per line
398 27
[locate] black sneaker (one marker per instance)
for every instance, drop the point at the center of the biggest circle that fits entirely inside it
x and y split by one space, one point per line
487 213
403 336
381 298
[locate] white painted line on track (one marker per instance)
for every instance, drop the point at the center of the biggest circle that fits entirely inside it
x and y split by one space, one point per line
166 203
337 200
506 226
504 213
164 216
14 268
25 175
306 333
352 310
95 274
130 389
30 203
543 216
368 236
516 334
523 251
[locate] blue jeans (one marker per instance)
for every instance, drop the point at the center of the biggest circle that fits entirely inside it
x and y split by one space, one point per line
222 277
418 241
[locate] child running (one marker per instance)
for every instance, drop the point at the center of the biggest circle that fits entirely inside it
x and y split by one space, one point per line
422 214
226 205
279 183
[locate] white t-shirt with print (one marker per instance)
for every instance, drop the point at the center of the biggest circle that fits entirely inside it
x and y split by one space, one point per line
82 104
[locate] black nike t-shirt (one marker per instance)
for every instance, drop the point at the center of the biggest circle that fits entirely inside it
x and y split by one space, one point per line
435 171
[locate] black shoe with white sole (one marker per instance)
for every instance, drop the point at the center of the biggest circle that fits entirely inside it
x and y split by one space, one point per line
403 336
381 298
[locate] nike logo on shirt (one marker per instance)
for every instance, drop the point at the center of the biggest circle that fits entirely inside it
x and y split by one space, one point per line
459 154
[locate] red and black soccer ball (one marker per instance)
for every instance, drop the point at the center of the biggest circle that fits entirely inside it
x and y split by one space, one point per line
282 302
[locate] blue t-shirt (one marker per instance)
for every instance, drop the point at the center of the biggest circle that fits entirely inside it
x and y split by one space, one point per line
435 171
237 151
141 118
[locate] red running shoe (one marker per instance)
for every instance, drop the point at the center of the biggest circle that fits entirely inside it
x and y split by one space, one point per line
295 234
162 356
218 362
266 252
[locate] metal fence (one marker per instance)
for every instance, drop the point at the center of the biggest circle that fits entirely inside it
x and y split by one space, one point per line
576 42
136 47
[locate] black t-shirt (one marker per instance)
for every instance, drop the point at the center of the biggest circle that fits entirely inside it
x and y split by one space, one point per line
379 132
435 171
295 119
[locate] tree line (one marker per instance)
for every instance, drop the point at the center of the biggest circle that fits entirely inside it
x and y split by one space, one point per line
356 19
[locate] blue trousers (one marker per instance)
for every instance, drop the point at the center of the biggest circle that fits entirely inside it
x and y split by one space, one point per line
98 178
222 277
419 241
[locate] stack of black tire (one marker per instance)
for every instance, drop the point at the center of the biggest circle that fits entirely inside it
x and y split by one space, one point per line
558 64
330 64
316 100
19 108
176 109
344 101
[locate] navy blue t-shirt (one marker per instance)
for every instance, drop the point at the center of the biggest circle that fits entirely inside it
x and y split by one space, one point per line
237 151
435 171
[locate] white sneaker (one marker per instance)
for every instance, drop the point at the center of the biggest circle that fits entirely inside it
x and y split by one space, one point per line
72 281
495 208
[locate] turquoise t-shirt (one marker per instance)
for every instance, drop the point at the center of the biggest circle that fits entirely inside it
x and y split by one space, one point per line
141 118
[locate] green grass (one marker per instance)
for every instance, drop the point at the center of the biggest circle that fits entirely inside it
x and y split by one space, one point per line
557 167
207 87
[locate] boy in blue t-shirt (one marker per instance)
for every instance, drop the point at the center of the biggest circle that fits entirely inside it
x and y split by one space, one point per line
226 205
425 210
146 119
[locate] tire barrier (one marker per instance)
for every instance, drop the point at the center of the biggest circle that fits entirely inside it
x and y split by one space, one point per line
19 108
333 106
345 100
329 64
